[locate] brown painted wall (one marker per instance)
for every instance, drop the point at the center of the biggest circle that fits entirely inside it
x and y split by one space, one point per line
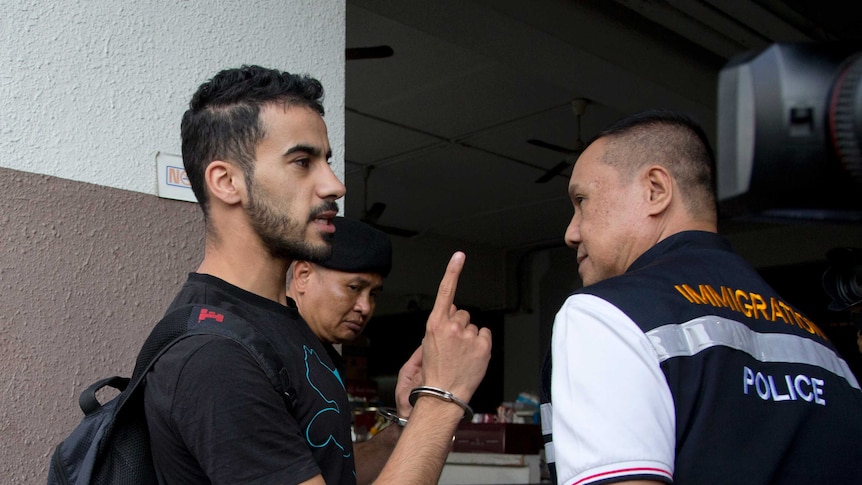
85 271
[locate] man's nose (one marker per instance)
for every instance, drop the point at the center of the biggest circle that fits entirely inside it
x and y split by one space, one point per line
329 186
573 235
363 305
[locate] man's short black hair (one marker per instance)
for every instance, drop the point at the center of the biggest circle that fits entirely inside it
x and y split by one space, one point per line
223 122
672 139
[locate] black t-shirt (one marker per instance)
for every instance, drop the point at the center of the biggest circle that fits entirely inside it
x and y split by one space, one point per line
214 416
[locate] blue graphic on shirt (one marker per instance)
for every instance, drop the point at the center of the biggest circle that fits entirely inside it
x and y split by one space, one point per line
313 366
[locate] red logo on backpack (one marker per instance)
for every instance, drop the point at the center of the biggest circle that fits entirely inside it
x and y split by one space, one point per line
209 314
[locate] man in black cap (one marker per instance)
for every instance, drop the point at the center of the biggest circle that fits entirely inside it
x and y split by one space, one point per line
337 296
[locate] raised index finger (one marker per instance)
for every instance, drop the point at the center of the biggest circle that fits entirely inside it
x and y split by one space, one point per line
448 285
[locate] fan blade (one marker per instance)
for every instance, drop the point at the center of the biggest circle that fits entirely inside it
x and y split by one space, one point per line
376 52
553 172
396 231
374 212
551 146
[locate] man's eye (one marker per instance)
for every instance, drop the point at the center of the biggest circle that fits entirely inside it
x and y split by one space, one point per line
302 162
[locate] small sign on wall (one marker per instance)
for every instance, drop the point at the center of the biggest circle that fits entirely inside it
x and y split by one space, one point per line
173 182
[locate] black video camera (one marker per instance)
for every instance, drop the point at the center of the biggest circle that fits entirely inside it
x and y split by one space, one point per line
790 132
842 281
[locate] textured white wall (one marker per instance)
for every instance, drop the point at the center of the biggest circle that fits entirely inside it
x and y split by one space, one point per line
92 89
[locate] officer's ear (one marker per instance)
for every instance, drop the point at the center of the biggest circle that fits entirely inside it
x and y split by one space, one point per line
302 271
660 189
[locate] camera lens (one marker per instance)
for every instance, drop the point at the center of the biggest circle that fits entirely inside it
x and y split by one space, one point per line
842 280
849 285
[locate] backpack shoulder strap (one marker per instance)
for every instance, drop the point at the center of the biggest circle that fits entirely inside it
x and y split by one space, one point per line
200 319
216 321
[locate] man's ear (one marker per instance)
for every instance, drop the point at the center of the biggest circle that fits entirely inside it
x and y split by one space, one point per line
225 182
660 189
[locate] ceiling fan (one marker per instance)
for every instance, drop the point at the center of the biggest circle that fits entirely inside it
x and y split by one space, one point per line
370 215
579 106
371 52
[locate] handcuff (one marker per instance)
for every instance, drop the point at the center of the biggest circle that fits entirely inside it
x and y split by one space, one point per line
390 415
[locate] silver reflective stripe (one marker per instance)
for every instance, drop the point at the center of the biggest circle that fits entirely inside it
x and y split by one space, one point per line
689 338
547 420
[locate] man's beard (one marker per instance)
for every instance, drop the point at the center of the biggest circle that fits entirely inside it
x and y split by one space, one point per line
282 237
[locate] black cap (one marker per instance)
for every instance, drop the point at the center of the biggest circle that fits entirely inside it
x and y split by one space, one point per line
358 248
839 280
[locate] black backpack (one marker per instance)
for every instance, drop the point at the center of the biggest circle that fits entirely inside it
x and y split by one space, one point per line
111 445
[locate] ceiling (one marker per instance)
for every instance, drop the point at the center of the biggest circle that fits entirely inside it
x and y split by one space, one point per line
438 132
